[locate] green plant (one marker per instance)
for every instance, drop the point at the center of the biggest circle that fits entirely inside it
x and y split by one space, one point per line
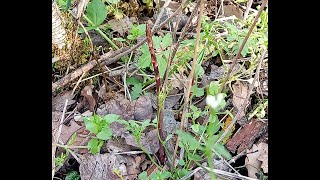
72 175
160 44
61 159
101 128
96 13
136 31
113 7
137 87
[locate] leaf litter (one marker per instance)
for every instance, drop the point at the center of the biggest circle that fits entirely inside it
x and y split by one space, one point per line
251 137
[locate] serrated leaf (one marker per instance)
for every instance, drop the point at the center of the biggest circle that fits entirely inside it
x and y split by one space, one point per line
166 41
136 91
198 92
143 175
220 149
96 12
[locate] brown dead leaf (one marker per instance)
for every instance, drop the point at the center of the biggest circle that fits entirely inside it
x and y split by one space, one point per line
240 91
263 148
122 25
59 101
87 93
68 131
117 145
139 109
148 140
231 9
99 167
245 138
255 160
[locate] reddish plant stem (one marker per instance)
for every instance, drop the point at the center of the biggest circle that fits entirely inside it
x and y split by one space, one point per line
158 86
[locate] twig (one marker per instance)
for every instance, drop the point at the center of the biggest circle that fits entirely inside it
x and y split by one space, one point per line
229 174
190 79
243 43
241 109
158 86
176 45
77 84
57 136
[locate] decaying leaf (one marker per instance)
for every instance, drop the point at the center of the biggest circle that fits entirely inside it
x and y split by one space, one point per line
170 125
240 91
139 109
263 149
256 157
217 164
122 25
105 166
59 101
149 141
87 93
245 138
231 9
117 145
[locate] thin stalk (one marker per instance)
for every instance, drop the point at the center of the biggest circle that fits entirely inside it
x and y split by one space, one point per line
100 32
191 77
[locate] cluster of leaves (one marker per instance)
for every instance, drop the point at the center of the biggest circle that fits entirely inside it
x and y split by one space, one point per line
162 53
100 126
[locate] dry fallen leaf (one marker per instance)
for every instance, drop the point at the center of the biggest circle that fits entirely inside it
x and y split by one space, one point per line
148 140
231 9
122 25
140 109
240 91
252 163
59 101
246 136
263 148
87 93
106 166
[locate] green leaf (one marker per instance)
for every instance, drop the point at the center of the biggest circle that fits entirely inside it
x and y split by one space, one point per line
213 88
183 172
165 174
132 81
198 92
120 39
166 54
154 176
142 30
105 133
166 41
156 41
220 149
131 37
110 118
96 12
214 124
168 137
181 162
194 157
195 127
136 91
162 65
72 175
143 175
94 145
145 59
198 70
89 28
189 140
200 56
92 127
